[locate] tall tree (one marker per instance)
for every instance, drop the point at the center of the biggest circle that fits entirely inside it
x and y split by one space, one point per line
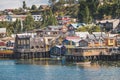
118 8
44 16
48 18
52 4
93 7
88 18
17 26
84 13
28 23
24 5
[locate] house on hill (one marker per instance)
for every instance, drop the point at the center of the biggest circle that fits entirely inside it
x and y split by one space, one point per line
82 35
3 18
109 24
2 32
13 18
37 17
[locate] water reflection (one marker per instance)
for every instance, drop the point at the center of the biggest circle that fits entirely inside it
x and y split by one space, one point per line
95 65
39 62
56 70
7 62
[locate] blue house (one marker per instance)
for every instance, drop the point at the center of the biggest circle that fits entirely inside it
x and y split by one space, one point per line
68 42
58 50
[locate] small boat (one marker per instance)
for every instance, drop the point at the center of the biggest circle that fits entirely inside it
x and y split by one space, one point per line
89 62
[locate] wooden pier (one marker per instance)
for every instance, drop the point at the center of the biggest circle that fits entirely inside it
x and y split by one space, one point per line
72 58
30 54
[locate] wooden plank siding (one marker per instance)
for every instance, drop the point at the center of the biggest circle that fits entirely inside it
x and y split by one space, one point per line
87 51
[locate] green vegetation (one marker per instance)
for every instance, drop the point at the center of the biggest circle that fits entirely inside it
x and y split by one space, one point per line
28 23
33 7
90 29
86 11
94 10
48 18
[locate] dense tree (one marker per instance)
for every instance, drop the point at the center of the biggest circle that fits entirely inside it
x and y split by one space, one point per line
59 6
72 11
84 13
44 16
48 18
28 23
53 5
17 26
37 24
10 29
109 9
118 8
33 7
93 7
94 29
90 29
8 26
70 1
87 18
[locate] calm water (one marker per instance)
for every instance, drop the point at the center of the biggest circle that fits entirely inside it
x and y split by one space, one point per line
54 70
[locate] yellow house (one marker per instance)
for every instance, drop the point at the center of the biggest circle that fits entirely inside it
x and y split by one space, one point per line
110 42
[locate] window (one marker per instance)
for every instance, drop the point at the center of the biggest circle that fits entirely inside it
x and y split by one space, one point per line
49 40
32 47
42 46
111 40
54 32
24 42
37 46
76 50
19 41
27 41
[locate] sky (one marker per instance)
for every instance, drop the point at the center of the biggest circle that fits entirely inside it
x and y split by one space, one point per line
12 4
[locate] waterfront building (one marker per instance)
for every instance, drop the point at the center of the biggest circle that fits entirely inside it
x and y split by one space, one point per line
35 45
58 50
88 51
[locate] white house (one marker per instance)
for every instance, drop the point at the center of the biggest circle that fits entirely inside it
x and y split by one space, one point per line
82 35
13 18
37 17
2 32
109 24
